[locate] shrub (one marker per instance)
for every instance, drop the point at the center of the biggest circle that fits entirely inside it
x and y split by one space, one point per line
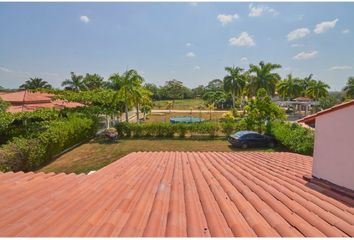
293 136
29 153
162 129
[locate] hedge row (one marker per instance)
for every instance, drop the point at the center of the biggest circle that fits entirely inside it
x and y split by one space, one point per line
294 137
162 129
29 153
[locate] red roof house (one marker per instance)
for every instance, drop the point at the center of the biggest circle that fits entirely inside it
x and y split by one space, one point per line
177 194
25 101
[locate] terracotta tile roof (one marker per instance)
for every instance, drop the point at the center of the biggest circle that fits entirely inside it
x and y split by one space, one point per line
26 97
24 101
312 118
162 194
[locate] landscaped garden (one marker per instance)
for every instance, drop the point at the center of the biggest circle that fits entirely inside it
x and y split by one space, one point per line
35 141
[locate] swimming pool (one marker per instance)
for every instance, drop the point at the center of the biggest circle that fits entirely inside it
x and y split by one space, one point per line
186 119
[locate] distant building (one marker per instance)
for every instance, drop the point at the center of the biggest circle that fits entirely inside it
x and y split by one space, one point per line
27 101
334 145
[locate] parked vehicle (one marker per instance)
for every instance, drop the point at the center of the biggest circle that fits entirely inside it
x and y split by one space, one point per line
246 139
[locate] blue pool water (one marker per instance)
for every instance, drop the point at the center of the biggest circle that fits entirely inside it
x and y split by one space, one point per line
186 119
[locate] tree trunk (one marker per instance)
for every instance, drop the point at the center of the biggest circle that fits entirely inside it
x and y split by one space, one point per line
233 100
126 113
137 114
126 107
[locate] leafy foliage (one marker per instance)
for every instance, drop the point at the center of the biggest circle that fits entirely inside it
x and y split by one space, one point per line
75 83
262 77
234 82
349 88
293 136
35 83
3 105
289 88
261 111
29 153
162 129
317 89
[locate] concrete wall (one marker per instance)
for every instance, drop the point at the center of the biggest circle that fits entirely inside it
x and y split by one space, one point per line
334 147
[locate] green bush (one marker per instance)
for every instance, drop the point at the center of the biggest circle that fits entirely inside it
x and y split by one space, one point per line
162 129
293 136
29 153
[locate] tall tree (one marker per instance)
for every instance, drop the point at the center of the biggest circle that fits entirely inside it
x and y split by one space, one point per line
317 89
153 89
141 97
35 83
75 83
93 81
130 84
262 77
215 85
304 83
174 89
349 88
234 82
289 88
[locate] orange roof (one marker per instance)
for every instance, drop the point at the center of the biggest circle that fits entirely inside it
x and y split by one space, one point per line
24 101
162 194
26 97
312 118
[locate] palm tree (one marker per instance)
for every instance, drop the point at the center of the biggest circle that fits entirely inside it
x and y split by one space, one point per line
305 84
129 84
263 77
349 88
289 88
317 89
75 83
35 83
234 83
210 107
141 97
93 81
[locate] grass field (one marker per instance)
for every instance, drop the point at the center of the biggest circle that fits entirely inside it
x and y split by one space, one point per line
162 117
98 152
184 104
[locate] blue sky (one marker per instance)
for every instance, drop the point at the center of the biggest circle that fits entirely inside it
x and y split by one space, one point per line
189 42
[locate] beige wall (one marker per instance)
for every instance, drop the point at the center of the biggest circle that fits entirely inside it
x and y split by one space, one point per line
334 147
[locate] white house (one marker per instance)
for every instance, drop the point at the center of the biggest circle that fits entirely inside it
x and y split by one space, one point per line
334 144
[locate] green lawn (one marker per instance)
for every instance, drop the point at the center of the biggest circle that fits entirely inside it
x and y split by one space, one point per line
99 153
184 104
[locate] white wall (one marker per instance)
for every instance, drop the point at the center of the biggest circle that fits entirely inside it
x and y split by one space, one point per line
334 147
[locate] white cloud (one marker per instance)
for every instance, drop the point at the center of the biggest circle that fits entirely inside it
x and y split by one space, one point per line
196 68
190 54
225 19
244 60
298 33
325 26
305 55
256 11
296 45
84 19
345 31
244 40
188 44
4 69
344 67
